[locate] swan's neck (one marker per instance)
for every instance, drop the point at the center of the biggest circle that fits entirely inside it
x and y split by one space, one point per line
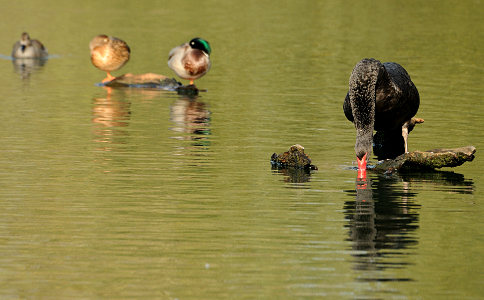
362 94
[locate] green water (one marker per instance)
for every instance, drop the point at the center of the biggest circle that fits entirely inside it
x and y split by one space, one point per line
131 193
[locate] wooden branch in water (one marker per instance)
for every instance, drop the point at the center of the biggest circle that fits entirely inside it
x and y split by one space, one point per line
147 80
428 160
154 81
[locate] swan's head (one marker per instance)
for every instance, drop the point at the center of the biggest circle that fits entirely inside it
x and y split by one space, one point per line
363 149
362 89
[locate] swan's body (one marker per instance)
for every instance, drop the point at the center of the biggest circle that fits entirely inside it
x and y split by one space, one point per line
381 97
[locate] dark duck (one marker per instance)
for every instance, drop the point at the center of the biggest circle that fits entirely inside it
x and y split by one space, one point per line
381 97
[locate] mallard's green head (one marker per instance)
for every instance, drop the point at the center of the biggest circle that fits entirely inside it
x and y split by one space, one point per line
201 44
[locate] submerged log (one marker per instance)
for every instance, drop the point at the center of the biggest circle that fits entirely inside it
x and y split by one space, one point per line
148 80
153 81
427 160
294 158
188 90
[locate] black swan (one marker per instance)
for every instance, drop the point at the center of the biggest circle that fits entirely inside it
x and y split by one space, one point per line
381 97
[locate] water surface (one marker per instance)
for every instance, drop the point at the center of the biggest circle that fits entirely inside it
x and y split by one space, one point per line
132 193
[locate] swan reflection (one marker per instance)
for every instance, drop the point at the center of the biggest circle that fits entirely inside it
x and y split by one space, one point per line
382 219
383 216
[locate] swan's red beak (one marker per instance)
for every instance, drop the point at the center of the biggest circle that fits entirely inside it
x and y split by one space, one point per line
361 166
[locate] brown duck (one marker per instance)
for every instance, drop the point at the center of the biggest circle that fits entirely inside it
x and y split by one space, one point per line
108 54
27 48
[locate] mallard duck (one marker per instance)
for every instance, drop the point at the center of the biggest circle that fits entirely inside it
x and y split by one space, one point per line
108 54
190 60
381 97
27 48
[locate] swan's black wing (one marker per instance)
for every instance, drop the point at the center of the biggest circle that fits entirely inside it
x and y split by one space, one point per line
347 108
397 99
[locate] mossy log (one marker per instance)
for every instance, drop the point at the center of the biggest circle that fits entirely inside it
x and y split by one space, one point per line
427 160
294 158
148 80
153 81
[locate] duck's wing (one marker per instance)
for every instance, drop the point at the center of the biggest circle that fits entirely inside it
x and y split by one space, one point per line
38 46
178 50
15 47
120 46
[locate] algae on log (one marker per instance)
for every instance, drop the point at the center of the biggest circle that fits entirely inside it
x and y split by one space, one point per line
428 160
294 158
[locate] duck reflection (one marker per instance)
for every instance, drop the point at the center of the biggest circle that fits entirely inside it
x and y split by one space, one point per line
383 217
191 118
26 66
110 113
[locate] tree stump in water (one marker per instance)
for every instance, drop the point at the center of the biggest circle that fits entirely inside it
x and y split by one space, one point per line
427 160
294 158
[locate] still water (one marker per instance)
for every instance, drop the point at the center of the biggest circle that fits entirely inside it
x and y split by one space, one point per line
133 193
